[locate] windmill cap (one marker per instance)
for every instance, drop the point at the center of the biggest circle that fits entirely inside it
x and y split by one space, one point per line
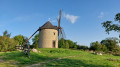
48 25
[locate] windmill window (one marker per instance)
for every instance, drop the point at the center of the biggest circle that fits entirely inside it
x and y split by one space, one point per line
54 33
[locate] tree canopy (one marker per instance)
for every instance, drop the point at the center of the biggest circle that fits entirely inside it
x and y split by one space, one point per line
7 43
111 44
5 33
20 39
35 41
108 44
68 44
110 26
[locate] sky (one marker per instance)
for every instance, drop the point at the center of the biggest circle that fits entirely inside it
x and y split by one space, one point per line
81 19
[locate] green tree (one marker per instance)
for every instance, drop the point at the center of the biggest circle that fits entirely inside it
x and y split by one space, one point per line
35 41
7 44
110 26
104 48
20 39
5 33
111 44
67 44
61 43
82 47
96 46
75 45
71 44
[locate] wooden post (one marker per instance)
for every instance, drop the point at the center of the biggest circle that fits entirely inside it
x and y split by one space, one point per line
28 50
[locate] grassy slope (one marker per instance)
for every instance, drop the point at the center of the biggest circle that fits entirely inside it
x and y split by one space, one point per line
81 59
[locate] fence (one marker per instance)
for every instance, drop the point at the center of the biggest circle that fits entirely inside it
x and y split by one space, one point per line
25 49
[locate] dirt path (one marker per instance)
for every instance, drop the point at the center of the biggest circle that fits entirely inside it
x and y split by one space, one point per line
1 59
43 64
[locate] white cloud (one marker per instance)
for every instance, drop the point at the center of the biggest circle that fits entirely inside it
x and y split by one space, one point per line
101 15
71 18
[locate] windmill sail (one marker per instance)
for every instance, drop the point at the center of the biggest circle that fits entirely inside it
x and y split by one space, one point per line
61 33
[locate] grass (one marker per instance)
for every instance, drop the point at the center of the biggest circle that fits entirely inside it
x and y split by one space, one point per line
69 58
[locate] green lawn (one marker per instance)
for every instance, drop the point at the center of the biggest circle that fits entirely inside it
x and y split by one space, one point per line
57 58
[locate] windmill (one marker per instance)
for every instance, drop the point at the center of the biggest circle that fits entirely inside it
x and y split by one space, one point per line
46 34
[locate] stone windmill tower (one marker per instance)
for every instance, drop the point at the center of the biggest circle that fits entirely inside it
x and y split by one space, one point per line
49 34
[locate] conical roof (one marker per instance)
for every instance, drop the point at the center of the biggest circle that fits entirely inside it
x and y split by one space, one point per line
48 25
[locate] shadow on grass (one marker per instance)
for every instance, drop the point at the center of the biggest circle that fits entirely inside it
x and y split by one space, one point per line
22 59
74 63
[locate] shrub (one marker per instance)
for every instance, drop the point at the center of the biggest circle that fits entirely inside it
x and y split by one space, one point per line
82 47
7 44
96 46
111 44
20 39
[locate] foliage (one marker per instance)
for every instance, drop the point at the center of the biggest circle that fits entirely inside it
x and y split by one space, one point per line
104 48
7 44
61 43
111 44
96 46
82 47
35 41
110 26
5 33
68 44
20 39
71 44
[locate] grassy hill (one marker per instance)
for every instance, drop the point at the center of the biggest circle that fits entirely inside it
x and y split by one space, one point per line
58 58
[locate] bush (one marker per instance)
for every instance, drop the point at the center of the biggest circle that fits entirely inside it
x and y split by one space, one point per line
111 44
82 47
20 39
117 54
96 46
7 44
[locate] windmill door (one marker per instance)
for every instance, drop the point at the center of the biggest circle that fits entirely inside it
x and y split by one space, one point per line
53 44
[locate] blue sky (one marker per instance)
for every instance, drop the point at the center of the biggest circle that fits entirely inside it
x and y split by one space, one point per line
81 19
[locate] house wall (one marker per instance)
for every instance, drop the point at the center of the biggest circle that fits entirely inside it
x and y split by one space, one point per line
46 38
